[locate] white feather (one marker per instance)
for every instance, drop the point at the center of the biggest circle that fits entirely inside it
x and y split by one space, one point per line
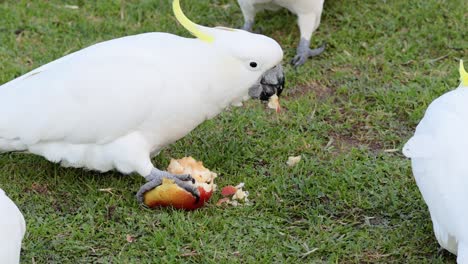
12 229
438 152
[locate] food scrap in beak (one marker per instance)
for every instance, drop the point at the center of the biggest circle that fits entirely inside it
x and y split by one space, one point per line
273 103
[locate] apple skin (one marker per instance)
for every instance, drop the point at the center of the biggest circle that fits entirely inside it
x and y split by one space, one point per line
170 194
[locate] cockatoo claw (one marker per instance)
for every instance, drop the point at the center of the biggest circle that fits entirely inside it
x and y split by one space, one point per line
184 177
156 178
299 59
159 174
304 52
248 26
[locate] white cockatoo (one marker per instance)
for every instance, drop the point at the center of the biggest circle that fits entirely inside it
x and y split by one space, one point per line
115 104
309 13
12 229
438 152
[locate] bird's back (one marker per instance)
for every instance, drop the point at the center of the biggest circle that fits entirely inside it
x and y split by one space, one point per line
92 95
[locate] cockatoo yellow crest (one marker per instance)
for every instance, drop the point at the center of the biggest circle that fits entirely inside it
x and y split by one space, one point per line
195 29
463 74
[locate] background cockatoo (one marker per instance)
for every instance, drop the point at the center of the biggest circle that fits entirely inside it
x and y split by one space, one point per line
115 104
12 229
308 12
439 158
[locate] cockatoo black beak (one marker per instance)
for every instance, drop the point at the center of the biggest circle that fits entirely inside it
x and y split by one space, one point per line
271 83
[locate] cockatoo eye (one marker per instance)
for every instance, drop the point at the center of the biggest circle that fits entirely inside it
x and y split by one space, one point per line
253 65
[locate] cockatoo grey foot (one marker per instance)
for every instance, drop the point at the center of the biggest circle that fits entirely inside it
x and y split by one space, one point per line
159 174
304 52
248 26
155 179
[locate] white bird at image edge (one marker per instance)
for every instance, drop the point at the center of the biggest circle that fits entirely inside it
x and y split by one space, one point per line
12 229
439 159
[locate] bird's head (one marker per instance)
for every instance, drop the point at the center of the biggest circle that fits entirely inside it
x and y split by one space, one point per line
259 56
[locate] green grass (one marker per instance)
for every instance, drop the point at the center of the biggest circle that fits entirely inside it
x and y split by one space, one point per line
348 201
